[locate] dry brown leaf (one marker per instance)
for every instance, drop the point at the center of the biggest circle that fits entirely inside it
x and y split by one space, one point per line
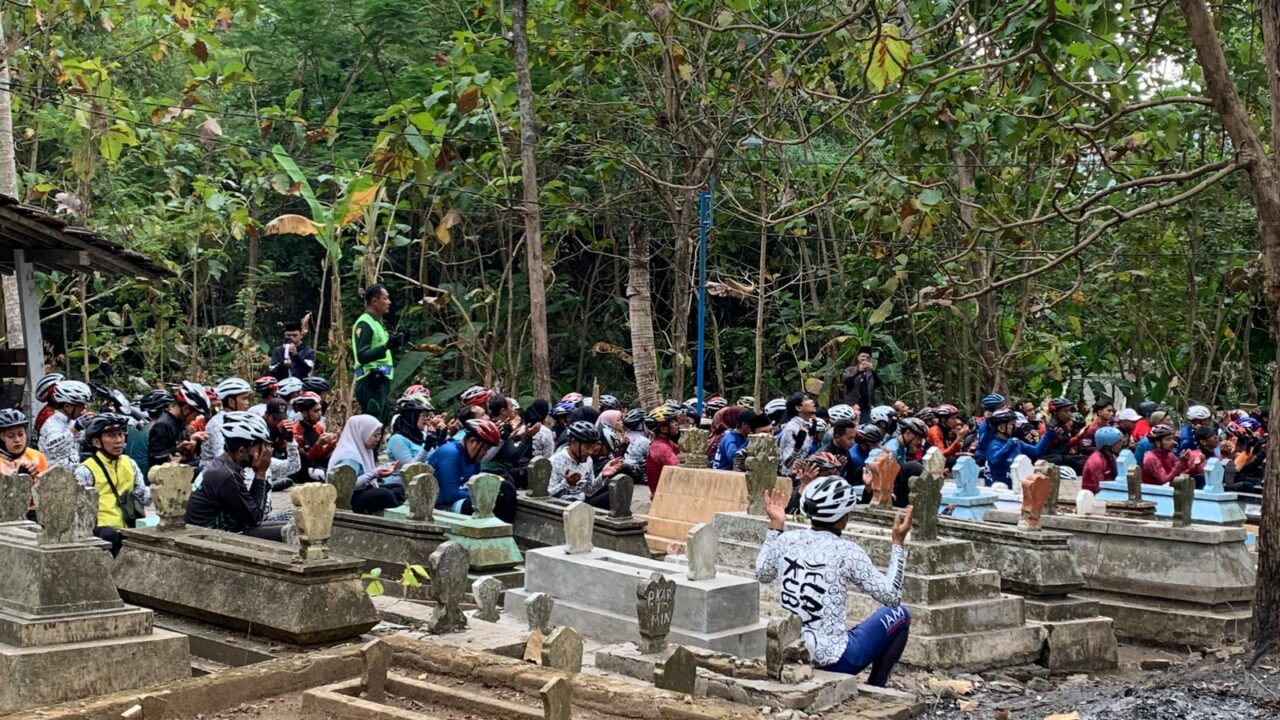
967 705
468 99
210 130
443 230
291 225
1073 715
604 348
961 687
359 201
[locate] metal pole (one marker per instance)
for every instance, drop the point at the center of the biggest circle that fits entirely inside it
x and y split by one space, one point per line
704 226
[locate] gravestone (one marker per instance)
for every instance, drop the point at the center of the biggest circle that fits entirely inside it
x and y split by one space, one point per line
935 463
655 607
621 491
487 591
1088 504
1020 470
376 658
170 491
926 493
679 672
15 494
1214 472
86 513
701 549
539 477
762 470
693 447
579 522
313 511
537 611
562 650
880 473
1035 492
58 499
448 567
343 479
64 632
1125 459
1184 489
484 495
1054 473
1133 479
968 500
421 491
778 637
557 700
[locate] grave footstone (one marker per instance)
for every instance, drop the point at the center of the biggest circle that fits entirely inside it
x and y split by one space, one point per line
539 477
935 463
170 491
537 611
59 499
968 501
693 447
1214 472
86 513
1020 470
487 591
679 672
490 543
701 549
1035 491
376 658
64 631
1133 479
1125 459
880 473
762 470
579 523
780 634
655 607
562 650
484 495
557 700
926 493
448 567
343 479
621 492
313 511
1184 489
15 493
421 491
1054 473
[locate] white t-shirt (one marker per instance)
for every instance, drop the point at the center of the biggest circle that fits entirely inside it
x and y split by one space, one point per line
561 466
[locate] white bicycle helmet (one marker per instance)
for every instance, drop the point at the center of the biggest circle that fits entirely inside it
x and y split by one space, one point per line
231 387
840 412
72 392
1198 412
820 426
46 385
884 414
289 387
193 395
828 499
245 426
776 405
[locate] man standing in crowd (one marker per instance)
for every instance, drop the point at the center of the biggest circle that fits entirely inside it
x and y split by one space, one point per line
294 357
860 384
372 345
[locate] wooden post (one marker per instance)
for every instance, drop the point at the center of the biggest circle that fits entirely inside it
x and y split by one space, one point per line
32 341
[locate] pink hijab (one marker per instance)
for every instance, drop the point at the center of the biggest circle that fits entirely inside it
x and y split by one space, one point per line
611 418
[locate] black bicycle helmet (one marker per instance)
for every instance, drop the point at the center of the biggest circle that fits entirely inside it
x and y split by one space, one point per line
869 433
104 422
634 419
317 385
609 402
583 431
156 400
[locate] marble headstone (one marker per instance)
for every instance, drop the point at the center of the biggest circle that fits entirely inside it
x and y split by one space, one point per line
702 550
579 523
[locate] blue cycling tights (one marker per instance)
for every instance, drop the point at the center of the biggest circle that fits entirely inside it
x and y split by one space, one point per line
877 641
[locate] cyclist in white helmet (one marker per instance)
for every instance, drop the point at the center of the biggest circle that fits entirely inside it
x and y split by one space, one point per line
235 395
223 502
60 436
1197 415
815 568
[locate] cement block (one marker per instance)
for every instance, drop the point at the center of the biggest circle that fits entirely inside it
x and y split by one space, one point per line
1060 609
978 651
32 631
540 523
1208 508
1086 645
37 676
1166 622
591 622
607 581
49 580
245 583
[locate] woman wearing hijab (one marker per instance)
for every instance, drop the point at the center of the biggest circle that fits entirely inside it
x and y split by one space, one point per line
723 421
415 432
610 418
358 449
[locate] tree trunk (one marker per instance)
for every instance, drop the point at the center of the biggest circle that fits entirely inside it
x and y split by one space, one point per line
644 356
757 388
9 186
541 350
993 376
1265 187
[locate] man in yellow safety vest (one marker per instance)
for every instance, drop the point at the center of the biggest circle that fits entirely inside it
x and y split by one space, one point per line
372 345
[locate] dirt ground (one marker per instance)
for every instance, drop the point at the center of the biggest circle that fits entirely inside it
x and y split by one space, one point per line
1213 686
